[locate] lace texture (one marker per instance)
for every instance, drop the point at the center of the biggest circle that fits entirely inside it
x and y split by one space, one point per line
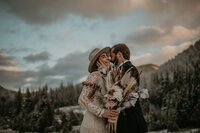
92 121
84 99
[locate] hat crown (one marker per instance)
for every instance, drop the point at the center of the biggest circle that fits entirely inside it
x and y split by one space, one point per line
94 53
93 56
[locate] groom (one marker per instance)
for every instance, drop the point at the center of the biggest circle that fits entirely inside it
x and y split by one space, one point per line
131 119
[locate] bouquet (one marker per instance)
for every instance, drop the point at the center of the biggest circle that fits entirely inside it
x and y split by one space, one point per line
122 92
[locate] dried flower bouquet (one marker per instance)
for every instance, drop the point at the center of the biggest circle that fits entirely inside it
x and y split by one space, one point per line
122 92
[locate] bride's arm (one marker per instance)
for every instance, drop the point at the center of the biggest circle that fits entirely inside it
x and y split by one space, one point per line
89 88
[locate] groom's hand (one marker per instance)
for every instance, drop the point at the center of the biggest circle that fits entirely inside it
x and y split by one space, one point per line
110 114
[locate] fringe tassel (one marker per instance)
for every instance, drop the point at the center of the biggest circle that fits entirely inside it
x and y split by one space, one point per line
112 127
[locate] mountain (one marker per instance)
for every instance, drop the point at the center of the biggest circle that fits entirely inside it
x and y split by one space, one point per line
8 94
147 68
174 90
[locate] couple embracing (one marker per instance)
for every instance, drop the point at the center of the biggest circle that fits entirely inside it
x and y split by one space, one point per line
111 93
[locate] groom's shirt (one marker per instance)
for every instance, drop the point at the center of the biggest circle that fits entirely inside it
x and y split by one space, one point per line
123 63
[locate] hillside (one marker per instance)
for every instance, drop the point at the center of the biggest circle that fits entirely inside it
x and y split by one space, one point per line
8 94
147 68
174 92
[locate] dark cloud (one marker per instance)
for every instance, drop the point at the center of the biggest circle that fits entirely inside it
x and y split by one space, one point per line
169 21
151 36
43 37
15 50
146 35
37 57
6 60
12 31
162 12
94 26
113 37
72 67
14 79
11 76
167 13
48 11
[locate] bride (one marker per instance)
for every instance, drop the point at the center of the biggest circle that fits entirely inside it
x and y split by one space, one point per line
92 95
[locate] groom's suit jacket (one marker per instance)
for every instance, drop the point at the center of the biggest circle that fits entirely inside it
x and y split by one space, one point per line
131 120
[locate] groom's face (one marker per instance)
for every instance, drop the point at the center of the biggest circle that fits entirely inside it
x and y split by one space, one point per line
113 57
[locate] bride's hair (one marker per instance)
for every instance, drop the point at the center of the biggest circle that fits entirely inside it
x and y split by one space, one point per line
95 67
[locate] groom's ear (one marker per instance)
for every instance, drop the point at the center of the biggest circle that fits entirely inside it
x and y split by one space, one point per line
119 55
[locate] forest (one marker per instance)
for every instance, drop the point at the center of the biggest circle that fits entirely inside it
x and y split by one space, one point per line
34 111
174 89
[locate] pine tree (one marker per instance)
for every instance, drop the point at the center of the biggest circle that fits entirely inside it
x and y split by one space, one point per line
18 103
46 115
28 103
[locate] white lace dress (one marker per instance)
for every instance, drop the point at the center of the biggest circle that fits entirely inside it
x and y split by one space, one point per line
93 122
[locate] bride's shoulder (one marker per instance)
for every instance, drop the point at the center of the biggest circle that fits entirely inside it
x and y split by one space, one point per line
92 80
94 76
95 73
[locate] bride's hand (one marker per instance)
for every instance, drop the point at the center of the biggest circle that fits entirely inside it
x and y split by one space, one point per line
110 114
102 65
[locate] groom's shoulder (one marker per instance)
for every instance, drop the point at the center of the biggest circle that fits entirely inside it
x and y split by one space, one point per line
130 65
133 68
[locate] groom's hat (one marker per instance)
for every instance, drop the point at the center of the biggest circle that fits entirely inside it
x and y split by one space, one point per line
94 56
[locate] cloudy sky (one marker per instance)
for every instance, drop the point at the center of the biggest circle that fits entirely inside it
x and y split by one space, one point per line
49 41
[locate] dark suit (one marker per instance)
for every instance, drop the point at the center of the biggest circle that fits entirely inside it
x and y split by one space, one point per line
131 120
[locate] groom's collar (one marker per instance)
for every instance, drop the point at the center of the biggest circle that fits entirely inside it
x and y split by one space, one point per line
123 63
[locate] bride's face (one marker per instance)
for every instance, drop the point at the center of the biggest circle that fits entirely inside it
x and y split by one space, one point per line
105 59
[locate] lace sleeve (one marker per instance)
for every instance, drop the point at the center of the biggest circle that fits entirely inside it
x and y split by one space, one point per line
89 87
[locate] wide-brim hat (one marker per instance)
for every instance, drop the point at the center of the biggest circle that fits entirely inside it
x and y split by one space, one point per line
94 56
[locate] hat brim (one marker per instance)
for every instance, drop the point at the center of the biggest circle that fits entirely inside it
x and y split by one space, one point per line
104 50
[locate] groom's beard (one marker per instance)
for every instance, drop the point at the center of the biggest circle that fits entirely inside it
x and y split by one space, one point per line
115 61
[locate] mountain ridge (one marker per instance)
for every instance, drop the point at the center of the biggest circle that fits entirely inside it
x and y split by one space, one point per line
147 68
